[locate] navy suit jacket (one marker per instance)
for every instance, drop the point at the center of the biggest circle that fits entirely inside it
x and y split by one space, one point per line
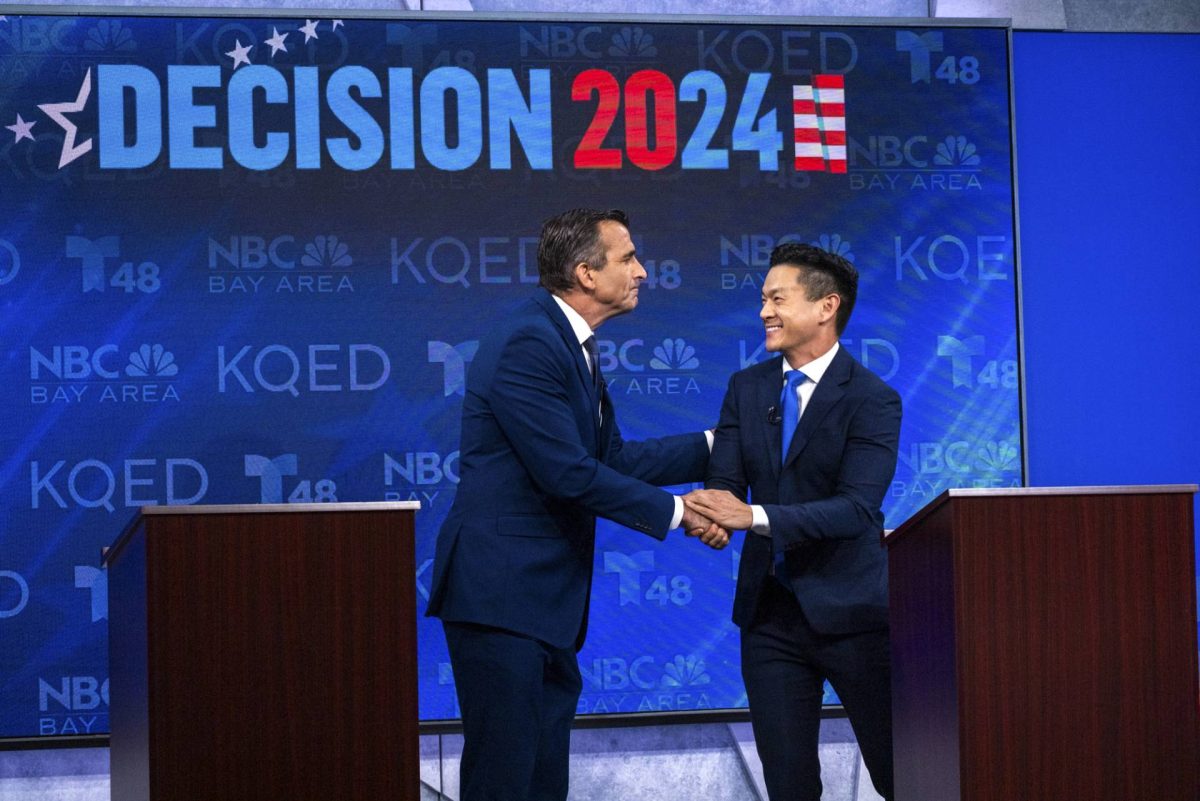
536 468
824 501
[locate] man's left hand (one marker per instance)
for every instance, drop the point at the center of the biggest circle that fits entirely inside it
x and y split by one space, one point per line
722 507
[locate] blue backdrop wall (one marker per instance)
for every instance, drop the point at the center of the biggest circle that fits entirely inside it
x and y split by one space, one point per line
1108 170
249 260
1108 175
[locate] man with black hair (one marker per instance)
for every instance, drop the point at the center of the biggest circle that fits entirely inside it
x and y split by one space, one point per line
541 457
813 436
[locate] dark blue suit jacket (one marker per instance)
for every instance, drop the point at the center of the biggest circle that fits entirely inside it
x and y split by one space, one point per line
536 468
824 502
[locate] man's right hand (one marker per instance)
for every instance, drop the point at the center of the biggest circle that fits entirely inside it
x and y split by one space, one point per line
697 525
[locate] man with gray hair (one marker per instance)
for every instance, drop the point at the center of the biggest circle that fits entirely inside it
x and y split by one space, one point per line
541 457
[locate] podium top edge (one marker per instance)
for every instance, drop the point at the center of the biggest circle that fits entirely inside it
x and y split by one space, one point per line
890 537
1122 489
109 554
281 508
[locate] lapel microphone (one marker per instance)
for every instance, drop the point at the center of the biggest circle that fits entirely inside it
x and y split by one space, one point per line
773 416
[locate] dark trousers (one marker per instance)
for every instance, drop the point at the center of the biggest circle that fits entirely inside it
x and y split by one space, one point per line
517 696
784 665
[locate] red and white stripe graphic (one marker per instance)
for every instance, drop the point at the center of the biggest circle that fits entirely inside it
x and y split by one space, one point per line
819 119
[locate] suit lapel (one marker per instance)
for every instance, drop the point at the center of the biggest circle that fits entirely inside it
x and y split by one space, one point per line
546 301
830 390
770 386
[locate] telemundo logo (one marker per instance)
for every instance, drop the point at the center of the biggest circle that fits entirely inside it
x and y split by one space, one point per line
454 359
271 472
95 581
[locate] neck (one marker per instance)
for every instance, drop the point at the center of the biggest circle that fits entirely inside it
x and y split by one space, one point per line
591 312
803 354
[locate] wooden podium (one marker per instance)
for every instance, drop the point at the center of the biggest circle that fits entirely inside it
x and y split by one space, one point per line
264 652
1044 646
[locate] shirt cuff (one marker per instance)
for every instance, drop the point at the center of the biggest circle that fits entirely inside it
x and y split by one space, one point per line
677 518
761 524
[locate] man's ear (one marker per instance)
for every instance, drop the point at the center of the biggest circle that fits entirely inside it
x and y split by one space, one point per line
829 307
583 277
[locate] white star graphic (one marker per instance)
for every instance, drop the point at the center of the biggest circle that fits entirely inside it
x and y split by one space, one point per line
276 41
337 23
3 19
240 54
58 112
309 29
21 129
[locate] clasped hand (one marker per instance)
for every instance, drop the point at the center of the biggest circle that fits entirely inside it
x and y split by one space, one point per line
697 525
721 507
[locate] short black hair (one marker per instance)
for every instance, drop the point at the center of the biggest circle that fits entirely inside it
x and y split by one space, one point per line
822 273
568 239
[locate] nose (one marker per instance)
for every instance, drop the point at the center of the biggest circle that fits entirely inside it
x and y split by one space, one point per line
639 272
764 312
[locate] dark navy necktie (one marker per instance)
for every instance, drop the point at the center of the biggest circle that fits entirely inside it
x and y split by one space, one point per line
790 402
589 345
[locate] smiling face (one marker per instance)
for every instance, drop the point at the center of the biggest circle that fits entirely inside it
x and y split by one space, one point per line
799 328
615 282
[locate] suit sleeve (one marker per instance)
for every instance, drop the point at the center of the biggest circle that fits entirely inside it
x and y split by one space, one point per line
678 459
532 405
868 464
726 470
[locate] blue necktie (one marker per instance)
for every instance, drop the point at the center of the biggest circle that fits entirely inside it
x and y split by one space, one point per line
791 407
791 416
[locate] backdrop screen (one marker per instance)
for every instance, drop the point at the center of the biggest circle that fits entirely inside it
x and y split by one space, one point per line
249 260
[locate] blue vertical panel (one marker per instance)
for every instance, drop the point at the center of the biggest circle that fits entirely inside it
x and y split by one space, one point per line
250 260
1110 227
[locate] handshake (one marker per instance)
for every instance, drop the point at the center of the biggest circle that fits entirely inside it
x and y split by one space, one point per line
712 514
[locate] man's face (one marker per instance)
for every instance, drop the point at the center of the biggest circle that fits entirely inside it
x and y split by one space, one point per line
618 279
792 321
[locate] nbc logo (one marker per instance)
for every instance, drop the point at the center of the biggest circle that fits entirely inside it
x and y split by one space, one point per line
685 672
674 354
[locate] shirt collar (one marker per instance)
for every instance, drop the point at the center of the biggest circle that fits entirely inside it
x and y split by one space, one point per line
817 367
578 324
